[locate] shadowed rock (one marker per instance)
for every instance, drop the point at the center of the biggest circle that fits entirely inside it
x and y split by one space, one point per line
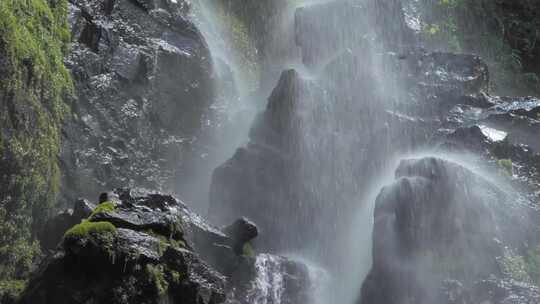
440 221
147 247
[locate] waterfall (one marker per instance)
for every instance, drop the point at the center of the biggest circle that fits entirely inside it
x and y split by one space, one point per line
338 107
227 124
276 281
356 93
268 286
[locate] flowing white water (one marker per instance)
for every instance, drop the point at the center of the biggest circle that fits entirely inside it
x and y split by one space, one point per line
227 124
329 144
268 286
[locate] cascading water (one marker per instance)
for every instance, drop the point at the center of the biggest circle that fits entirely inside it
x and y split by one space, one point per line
226 125
332 133
338 139
268 285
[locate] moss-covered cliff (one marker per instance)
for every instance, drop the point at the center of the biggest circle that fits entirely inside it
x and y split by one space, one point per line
34 37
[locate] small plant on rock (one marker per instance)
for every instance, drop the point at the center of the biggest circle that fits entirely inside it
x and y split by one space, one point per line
156 276
507 166
248 251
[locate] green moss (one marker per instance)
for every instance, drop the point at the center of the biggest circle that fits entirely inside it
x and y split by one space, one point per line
156 276
86 228
165 242
248 251
11 289
34 37
507 166
104 207
176 277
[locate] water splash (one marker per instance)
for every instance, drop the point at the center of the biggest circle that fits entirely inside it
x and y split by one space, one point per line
268 286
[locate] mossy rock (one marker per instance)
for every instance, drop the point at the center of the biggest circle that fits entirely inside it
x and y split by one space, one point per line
156 276
87 228
248 251
34 84
11 289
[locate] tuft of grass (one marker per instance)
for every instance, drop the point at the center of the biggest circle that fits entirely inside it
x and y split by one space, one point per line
165 242
104 207
176 277
86 228
156 276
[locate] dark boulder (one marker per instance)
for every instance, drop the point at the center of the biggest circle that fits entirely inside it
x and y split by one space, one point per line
147 247
241 232
440 221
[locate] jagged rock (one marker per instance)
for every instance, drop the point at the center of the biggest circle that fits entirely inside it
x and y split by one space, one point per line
82 209
471 138
285 169
145 247
144 78
241 231
439 221
258 181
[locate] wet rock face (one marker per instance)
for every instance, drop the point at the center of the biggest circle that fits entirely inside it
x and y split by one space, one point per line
146 247
441 222
342 122
144 80
520 19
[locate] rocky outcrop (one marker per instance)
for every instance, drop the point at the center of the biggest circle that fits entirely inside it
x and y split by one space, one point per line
445 229
341 125
144 79
146 247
